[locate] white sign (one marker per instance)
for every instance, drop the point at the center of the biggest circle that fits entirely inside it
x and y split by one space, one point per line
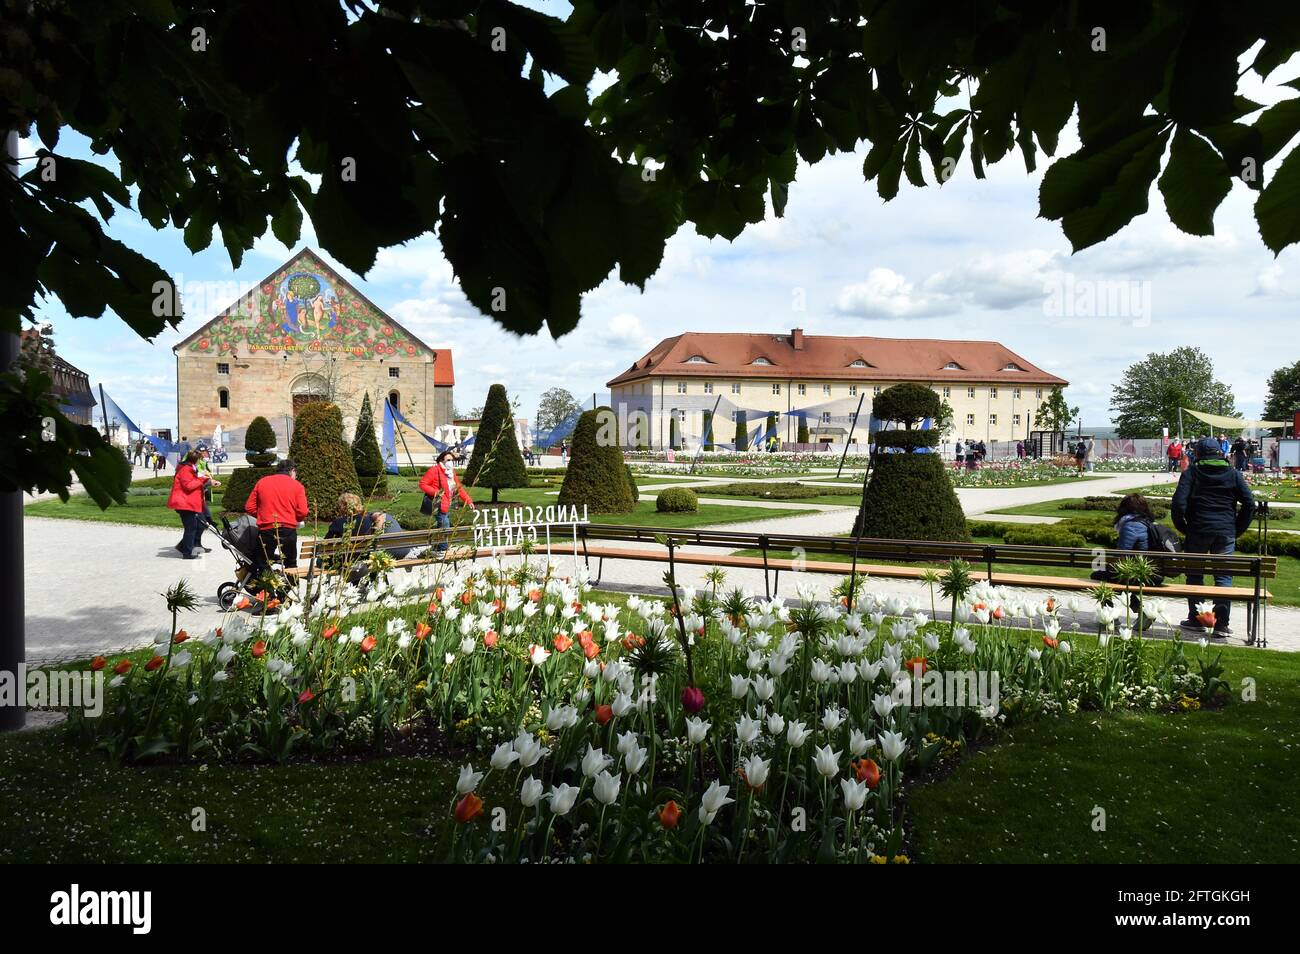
510 526
1288 453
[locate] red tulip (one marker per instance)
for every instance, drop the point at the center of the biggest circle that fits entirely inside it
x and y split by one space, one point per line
916 665
535 595
123 667
98 663
329 632
180 637
153 664
259 649
692 699
867 771
1050 642
422 630
604 714
1206 619
669 814
306 696
368 644
468 808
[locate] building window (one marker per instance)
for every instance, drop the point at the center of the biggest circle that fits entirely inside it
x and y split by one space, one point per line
223 399
993 420
760 361
970 419
970 392
394 399
708 387
952 366
853 390
858 363
394 372
697 359
826 390
776 388
826 417
993 393
947 392
876 391
223 368
1038 393
681 387
735 388
1015 393
803 389
1015 419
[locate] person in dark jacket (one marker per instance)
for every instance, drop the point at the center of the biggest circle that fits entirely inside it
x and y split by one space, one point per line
1212 507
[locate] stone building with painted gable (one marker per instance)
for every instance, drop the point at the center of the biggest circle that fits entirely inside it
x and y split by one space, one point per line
305 334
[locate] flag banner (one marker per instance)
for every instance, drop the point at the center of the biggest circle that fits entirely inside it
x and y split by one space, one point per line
110 413
389 443
1233 423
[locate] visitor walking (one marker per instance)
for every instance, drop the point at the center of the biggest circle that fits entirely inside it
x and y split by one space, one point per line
1212 506
439 483
1175 454
1020 450
1224 446
1080 455
279 502
1275 456
204 468
1239 454
186 498
1088 451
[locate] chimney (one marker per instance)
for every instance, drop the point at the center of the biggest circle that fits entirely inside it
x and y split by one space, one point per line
796 339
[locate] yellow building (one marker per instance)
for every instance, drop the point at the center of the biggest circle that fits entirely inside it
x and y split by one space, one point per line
995 394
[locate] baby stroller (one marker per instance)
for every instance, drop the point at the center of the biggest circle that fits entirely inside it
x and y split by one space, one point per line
239 538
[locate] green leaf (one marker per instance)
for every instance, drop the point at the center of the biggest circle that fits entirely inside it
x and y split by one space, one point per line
287 223
1194 183
1277 211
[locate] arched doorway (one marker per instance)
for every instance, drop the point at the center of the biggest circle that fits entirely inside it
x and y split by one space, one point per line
307 388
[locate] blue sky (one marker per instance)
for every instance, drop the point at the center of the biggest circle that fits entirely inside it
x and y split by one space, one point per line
968 261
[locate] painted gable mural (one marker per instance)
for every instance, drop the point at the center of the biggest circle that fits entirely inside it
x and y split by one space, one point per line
305 307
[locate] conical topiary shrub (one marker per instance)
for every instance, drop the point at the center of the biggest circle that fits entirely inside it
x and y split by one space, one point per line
596 475
909 496
802 437
708 431
367 459
673 439
323 458
496 461
742 434
258 441
769 432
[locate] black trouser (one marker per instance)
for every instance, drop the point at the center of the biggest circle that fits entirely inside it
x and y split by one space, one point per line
284 539
1210 543
192 531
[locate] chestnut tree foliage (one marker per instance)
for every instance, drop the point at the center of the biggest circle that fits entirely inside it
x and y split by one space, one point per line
475 120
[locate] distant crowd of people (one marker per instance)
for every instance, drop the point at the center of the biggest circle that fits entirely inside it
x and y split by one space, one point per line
1243 453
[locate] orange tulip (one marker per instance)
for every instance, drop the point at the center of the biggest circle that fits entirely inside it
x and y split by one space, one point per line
243 604
98 663
1050 642
259 649
670 814
535 595
562 642
604 714
274 604
577 607
466 598
867 771
633 641
590 650
490 639
123 667
329 632
368 644
916 665
1206 619
432 609
468 808
153 664
180 636
422 630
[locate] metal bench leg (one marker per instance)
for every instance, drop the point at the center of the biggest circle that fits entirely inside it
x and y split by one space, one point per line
776 582
1252 623
600 570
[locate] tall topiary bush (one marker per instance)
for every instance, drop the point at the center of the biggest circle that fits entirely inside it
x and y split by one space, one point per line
673 439
742 434
909 496
323 457
769 430
632 488
496 461
240 484
708 431
258 441
802 437
366 458
596 475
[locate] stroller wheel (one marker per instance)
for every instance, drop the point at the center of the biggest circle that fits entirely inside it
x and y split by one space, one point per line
227 593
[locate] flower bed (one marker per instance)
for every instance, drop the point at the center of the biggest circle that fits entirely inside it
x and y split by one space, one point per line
714 727
1010 473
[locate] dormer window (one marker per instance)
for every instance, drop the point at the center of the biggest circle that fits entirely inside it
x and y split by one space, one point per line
859 363
761 361
1013 367
697 359
953 366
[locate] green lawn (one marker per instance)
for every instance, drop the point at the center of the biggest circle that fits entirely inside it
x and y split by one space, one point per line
1196 787
146 511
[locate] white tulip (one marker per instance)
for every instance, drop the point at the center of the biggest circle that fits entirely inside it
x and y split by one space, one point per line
747 730
697 730
468 780
855 793
563 798
627 741
595 761
821 672
606 787
892 744
531 792
858 743
756 771
714 798
832 718
775 724
529 750
634 760
739 687
503 755
764 688
796 734
826 761
883 704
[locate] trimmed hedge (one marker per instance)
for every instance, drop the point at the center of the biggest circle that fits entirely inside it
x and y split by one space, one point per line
742 435
258 440
496 461
1043 535
366 458
677 500
323 458
801 436
597 474
631 483
239 484
1109 505
908 404
906 440
774 491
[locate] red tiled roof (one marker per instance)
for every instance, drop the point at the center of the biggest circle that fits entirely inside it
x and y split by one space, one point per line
824 357
444 375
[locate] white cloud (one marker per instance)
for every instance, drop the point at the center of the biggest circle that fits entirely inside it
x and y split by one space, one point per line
887 294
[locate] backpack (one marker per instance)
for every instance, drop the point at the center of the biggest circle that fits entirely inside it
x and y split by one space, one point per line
1162 538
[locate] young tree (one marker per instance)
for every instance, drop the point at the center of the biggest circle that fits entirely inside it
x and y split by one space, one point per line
555 407
1149 394
1283 394
496 461
1055 414
366 457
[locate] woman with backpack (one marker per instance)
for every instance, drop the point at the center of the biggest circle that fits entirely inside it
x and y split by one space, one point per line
1135 526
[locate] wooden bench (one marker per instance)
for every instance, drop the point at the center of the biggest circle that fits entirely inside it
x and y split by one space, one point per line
330 557
863 553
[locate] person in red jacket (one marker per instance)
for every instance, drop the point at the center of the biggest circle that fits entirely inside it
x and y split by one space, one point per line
186 499
439 483
279 502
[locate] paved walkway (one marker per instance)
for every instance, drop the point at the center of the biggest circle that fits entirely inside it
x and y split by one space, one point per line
94 587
